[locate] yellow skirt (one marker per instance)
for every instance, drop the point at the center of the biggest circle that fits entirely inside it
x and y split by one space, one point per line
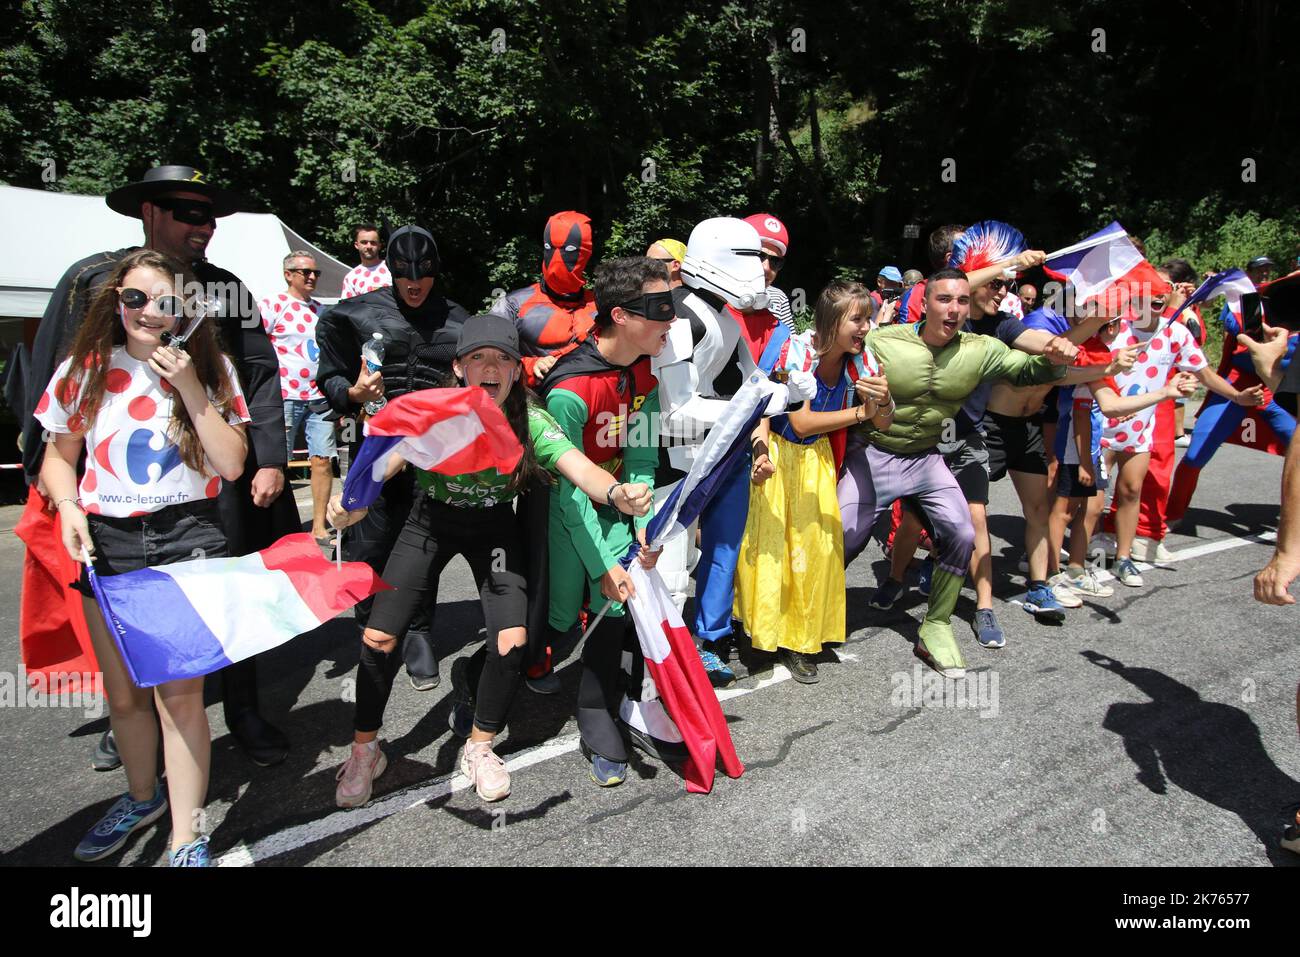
790 574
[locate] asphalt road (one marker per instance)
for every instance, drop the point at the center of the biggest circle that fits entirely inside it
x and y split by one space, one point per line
1156 727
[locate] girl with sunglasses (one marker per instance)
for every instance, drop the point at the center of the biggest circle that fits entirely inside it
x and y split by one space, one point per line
161 427
471 515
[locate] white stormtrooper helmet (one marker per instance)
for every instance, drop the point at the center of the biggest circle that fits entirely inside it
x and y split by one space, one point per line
722 257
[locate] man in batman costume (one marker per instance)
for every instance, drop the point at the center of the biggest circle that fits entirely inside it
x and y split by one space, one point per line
419 329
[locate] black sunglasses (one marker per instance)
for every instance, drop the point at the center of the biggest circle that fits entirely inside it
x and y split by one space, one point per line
190 212
306 272
998 285
170 306
776 261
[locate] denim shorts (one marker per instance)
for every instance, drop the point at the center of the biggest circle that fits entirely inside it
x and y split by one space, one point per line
320 431
177 533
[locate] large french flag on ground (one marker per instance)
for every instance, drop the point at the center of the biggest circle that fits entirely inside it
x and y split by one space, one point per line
681 681
450 431
193 618
1105 261
671 659
1231 284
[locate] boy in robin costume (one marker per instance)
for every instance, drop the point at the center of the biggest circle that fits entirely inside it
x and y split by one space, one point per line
604 397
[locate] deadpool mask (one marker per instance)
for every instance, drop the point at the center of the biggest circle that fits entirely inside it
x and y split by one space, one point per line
566 250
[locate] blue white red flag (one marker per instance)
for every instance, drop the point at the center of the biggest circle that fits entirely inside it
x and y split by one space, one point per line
1105 265
671 658
450 431
682 684
1232 284
193 618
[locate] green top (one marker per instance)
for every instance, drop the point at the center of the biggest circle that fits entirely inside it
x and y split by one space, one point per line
929 385
639 459
488 487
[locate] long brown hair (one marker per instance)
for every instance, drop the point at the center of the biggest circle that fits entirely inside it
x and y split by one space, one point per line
102 330
835 302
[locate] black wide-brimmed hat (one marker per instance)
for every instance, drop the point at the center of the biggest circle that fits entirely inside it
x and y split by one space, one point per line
172 179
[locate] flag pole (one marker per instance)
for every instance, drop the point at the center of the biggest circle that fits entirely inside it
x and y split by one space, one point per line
595 621
1088 243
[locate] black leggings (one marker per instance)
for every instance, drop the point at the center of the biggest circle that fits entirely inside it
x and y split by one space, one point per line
434 534
601 690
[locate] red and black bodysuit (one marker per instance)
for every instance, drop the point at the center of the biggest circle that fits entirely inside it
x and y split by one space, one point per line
557 313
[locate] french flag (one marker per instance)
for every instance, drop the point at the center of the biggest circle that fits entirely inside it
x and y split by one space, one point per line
683 686
1232 284
451 431
671 658
193 618
1104 260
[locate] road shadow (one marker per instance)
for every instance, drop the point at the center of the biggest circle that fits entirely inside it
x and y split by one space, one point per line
1208 749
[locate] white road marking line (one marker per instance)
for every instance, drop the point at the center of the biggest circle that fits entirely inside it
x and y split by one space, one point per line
338 822
300 835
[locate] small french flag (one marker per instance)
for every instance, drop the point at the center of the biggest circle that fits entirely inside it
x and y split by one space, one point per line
192 618
1104 260
450 431
1231 284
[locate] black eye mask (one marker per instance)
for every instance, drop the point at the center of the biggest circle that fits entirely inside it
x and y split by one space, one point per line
412 254
657 306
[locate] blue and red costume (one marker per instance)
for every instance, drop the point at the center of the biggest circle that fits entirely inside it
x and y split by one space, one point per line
1220 420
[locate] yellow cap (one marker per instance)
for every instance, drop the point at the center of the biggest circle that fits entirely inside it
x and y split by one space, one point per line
673 247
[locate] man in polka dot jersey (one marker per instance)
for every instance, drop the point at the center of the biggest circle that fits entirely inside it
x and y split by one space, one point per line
373 272
290 319
1165 346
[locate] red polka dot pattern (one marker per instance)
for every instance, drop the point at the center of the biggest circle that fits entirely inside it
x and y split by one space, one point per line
117 380
142 408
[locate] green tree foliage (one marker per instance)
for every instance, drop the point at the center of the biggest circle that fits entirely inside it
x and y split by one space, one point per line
482 117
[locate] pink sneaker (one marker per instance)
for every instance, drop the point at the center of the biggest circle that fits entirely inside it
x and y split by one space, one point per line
358 773
485 770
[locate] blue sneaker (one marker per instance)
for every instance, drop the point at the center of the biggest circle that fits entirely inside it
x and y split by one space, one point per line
987 632
923 577
125 817
719 672
604 772
1042 604
886 593
193 854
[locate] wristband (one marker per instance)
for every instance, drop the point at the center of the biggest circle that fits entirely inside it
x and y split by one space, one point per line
609 494
75 501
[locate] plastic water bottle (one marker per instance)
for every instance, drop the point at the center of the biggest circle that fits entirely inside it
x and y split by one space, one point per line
373 354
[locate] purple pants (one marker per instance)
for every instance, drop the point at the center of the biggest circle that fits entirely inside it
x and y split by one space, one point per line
874 479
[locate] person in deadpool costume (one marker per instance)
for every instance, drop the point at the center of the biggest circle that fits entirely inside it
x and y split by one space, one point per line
555 314
420 329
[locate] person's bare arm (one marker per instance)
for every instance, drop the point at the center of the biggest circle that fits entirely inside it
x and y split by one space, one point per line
1272 582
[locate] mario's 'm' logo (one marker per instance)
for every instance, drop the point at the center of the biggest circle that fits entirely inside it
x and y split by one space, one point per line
771 225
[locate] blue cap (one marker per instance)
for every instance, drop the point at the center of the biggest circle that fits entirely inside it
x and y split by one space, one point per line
891 273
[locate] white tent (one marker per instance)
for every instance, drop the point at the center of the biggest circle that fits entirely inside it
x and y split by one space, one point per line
42 233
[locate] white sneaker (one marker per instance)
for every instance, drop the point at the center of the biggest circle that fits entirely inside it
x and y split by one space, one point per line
1086 583
357 775
1060 586
485 770
1148 550
1127 573
1183 441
